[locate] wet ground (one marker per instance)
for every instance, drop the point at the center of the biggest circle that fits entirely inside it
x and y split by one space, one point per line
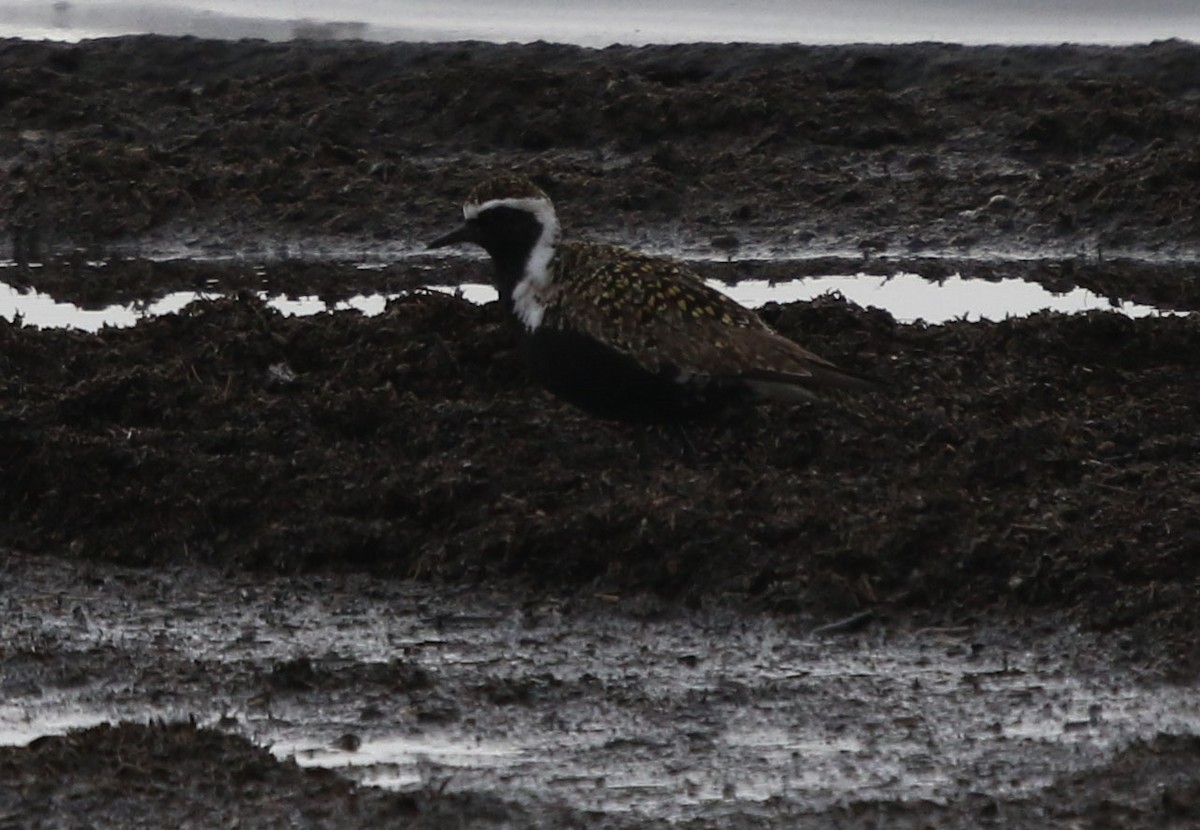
370 540
578 711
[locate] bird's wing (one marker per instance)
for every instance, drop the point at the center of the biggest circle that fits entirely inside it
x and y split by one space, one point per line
662 314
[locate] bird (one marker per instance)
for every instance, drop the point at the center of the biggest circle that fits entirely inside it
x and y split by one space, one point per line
624 335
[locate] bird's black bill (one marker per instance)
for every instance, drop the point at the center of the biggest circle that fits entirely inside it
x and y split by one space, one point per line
466 233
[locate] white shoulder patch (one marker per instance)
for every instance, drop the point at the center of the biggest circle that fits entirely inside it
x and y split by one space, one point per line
528 304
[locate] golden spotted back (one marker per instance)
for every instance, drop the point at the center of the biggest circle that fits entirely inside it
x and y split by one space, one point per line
662 314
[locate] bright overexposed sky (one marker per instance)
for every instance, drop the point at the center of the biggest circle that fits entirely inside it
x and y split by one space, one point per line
602 22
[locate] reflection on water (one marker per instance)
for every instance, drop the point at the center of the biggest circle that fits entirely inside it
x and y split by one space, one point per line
907 297
911 297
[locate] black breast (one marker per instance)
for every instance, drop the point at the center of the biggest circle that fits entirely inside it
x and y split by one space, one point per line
609 384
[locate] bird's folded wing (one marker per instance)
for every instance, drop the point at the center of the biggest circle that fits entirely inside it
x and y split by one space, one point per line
662 314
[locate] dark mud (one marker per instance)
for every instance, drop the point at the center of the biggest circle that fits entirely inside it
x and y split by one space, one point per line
1047 462
1037 469
879 148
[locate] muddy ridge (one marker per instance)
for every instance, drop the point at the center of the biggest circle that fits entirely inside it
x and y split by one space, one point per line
1045 462
900 148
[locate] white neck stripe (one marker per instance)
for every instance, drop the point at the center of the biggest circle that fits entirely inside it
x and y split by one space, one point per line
537 205
528 299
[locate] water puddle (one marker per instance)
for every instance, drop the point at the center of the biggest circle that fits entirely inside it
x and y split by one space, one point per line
594 710
908 297
911 297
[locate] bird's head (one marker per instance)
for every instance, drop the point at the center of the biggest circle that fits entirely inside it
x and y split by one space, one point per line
514 221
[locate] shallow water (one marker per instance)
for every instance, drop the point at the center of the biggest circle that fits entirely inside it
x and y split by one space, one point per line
596 709
908 297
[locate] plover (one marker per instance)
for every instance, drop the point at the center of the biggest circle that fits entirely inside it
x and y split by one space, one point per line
625 335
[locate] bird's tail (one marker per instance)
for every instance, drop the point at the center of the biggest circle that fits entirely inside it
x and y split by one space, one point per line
806 386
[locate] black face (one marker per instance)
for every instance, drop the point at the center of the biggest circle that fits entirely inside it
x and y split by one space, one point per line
508 234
